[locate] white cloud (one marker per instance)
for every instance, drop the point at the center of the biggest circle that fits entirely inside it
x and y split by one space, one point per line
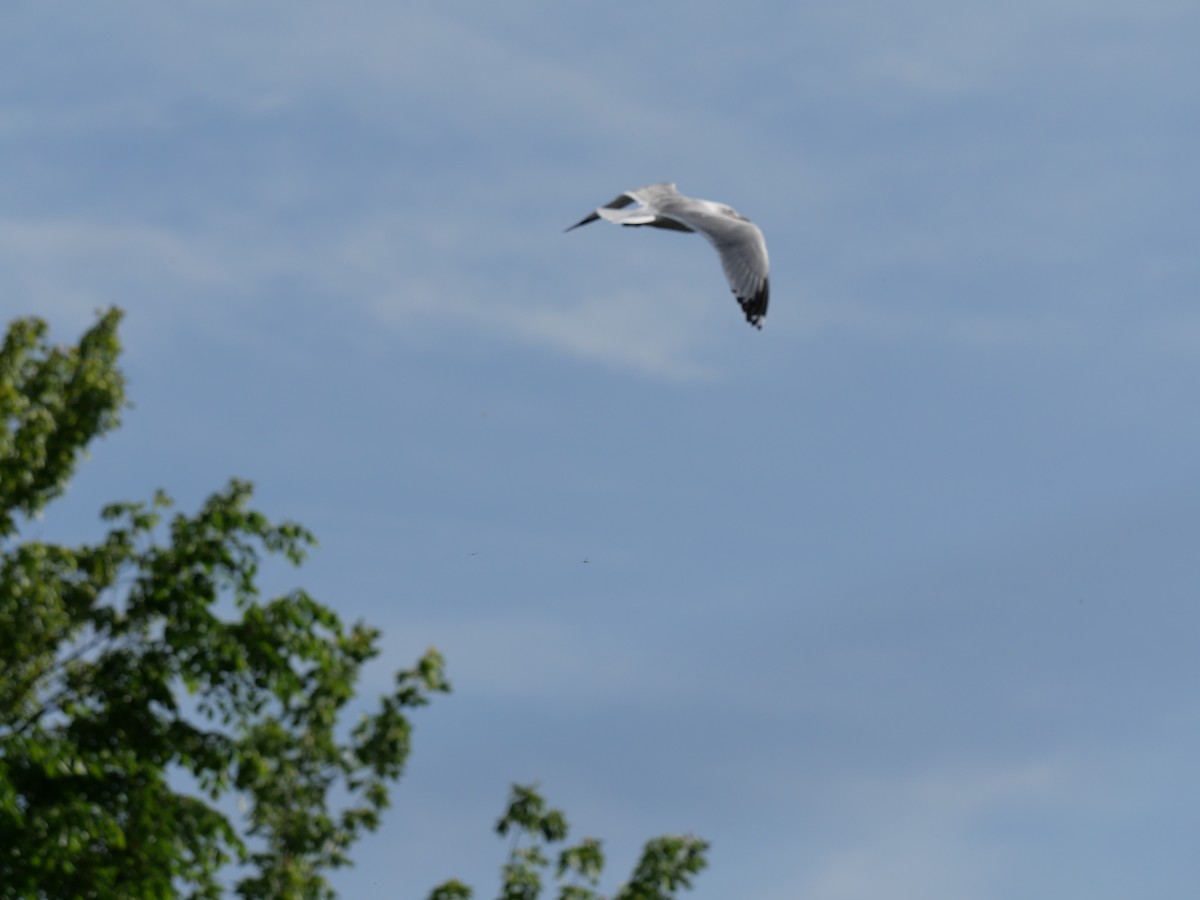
921 836
481 273
65 269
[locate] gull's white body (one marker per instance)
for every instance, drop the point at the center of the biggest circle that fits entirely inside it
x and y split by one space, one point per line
737 240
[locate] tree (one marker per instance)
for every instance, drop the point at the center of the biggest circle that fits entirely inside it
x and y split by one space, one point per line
103 643
666 865
145 681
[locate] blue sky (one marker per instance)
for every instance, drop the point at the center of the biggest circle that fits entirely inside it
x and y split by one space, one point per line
896 598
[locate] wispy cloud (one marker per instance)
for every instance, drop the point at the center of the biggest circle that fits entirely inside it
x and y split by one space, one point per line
393 272
923 836
64 269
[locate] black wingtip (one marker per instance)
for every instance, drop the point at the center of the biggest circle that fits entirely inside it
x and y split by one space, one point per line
588 218
755 307
620 202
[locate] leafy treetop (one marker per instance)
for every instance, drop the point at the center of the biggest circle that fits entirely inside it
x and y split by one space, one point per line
124 670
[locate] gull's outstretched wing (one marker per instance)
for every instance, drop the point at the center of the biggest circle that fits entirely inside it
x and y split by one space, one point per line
743 252
741 246
648 199
620 202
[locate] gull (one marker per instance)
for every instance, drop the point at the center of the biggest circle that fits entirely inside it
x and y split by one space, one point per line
738 241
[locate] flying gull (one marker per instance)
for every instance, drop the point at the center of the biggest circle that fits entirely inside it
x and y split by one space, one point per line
737 240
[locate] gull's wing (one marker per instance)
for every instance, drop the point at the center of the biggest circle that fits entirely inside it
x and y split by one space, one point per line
742 248
744 258
649 200
621 201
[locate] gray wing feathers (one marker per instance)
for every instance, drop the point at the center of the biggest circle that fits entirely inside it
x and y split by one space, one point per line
745 264
743 252
656 194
